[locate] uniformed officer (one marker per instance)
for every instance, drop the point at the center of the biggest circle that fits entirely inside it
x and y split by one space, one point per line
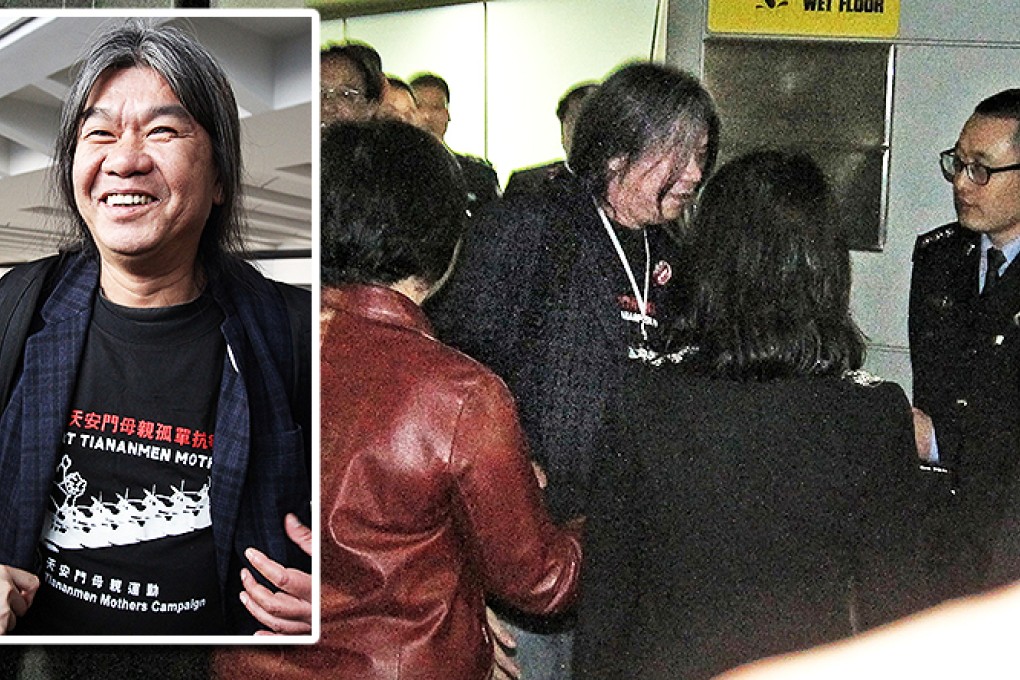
965 339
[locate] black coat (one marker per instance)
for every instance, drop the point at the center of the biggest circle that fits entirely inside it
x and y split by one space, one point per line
535 298
548 177
481 180
730 521
964 351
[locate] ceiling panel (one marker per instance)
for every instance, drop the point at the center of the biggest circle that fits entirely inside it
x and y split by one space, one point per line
258 54
339 9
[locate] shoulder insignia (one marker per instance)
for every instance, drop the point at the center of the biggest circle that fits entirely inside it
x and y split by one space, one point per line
936 235
862 378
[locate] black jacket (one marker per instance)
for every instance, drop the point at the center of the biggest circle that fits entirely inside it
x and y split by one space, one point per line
548 177
534 297
730 521
965 354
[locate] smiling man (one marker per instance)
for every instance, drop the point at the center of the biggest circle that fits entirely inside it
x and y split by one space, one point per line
144 182
964 341
158 431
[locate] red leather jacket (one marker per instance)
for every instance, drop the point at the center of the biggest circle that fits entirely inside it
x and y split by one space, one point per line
428 502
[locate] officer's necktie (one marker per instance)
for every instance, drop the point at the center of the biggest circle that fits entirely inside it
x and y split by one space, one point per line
995 260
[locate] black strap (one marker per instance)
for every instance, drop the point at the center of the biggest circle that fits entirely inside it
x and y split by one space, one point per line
20 291
299 314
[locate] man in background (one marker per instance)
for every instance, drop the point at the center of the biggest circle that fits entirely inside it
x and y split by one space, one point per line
433 95
399 102
351 82
965 343
549 175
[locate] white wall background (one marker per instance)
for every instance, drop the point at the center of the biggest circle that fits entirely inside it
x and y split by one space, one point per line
538 49
507 63
449 41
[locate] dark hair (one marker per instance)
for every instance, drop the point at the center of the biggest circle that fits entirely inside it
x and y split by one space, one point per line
431 80
401 85
202 88
393 204
364 58
640 106
575 94
767 279
1005 104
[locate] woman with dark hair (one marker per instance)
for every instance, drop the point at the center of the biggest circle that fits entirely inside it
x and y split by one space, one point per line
756 493
428 498
557 292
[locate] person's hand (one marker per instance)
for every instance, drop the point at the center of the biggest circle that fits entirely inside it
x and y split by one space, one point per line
924 430
17 590
289 610
503 644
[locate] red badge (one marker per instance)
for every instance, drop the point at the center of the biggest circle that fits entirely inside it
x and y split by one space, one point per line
663 273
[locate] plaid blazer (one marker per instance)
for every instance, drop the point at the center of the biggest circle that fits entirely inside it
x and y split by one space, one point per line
261 455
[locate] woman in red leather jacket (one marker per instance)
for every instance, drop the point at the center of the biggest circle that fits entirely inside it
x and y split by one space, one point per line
429 502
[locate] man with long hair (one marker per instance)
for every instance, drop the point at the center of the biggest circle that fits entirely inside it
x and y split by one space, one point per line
558 290
158 431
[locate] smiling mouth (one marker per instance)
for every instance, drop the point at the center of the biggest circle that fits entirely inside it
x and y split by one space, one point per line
127 199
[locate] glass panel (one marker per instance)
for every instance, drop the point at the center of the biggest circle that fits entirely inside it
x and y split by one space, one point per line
826 98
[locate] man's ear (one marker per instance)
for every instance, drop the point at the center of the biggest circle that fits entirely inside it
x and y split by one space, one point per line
218 196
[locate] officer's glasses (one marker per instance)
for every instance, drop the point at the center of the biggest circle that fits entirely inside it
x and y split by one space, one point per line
977 173
343 93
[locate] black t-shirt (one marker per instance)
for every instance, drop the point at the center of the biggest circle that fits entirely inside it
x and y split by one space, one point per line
127 543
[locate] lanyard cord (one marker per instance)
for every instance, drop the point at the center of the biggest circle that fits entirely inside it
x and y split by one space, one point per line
642 299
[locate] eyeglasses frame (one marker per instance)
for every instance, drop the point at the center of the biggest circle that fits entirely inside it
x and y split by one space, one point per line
968 168
343 92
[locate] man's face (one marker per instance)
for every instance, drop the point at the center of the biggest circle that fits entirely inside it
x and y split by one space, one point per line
433 110
634 191
398 104
143 171
994 208
342 92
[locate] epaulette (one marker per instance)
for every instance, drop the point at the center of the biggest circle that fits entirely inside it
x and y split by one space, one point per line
863 378
935 235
